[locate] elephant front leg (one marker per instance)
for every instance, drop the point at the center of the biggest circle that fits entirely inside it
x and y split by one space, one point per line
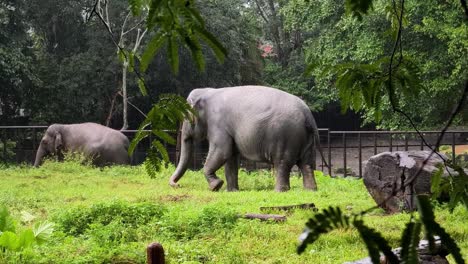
214 161
231 171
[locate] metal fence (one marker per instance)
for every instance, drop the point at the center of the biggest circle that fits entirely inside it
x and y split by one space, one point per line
344 151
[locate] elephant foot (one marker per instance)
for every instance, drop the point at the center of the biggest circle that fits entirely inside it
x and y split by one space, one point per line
311 188
216 184
174 184
232 189
282 188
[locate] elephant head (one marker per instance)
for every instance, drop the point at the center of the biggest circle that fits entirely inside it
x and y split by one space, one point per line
51 143
192 130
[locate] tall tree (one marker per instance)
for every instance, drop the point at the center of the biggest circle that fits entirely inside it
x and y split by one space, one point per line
17 76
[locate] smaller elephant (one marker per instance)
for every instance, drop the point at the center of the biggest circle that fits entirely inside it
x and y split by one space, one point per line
103 145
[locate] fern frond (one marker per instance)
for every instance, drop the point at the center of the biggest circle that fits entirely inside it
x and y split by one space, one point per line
322 223
375 243
433 228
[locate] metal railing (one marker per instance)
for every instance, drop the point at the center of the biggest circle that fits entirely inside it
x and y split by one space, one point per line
364 144
345 151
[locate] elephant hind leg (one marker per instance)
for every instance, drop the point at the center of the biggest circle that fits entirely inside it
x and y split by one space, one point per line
308 177
283 170
231 170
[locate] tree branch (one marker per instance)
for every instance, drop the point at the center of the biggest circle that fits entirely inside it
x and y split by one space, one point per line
261 12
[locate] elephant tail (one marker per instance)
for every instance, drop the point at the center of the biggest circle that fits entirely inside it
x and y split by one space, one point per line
312 128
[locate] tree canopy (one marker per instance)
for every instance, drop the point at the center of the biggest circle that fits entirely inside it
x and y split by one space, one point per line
55 56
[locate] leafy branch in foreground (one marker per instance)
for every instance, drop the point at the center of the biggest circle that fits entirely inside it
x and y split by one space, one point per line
456 185
162 120
332 218
173 23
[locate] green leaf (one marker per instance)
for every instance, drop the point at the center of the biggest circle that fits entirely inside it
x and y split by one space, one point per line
131 60
173 57
164 136
154 8
153 46
214 44
161 150
433 228
122 55
43 231
410 242
322 223
135 6
196 51
436 182
142 86
375 243
6 221
196 15
9 240
140 135
26 239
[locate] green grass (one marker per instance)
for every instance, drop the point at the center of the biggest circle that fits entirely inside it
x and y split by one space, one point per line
109 216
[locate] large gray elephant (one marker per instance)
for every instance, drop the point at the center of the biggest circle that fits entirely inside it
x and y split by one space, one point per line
103 145
260 123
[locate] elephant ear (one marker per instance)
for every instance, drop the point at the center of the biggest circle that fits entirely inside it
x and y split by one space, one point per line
58 141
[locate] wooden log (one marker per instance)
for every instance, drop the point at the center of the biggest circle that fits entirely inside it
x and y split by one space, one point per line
425 256
155 254
265 217
289 207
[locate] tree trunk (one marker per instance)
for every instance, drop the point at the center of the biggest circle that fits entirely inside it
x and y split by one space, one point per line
124 95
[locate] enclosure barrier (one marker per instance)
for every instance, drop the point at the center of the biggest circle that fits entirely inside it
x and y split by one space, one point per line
344 151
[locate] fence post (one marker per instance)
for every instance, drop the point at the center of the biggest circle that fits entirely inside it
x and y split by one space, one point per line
375 143
406 142
329 154
34 138
453 149
4 139
344 154
360 155
391 141
155 254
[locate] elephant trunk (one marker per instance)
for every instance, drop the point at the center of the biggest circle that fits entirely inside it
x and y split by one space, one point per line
39 156
185 154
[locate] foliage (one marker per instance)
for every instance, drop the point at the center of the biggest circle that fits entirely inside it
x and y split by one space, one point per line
77 221
332 218
164 117
454 185
11 240
339 46
17 74
6 152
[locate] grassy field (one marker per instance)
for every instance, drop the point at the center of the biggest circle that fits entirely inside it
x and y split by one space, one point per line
110 215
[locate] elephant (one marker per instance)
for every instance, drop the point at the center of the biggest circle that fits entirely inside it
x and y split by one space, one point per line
260 123
103 145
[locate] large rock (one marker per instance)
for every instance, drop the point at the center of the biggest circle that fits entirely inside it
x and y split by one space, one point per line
386 174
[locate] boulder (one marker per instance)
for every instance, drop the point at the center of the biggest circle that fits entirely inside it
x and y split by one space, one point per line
387 173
